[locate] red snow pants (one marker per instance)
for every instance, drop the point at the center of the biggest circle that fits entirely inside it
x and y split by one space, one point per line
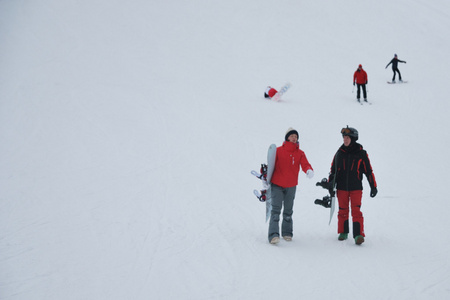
346 200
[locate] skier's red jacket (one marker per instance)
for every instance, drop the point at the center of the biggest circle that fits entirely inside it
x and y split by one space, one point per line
289 159
271 92
360 76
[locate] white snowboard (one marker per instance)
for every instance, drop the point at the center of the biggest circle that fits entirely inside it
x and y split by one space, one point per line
271 157
280 93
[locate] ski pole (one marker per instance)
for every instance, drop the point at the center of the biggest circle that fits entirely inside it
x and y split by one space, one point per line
353 88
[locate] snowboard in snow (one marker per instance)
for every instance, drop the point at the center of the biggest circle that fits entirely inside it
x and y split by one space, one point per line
280 93
397 82
264 194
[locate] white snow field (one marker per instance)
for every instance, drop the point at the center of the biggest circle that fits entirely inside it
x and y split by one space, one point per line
128 130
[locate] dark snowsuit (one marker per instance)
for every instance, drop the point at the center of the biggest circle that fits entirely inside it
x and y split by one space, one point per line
349 165
395 69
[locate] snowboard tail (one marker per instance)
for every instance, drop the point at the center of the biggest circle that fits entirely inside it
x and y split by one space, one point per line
265 176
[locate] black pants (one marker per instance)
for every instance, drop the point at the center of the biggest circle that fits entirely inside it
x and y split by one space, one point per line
399 75
358 93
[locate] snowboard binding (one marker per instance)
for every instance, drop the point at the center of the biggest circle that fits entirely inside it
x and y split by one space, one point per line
325 202
263 172
323 183
261 195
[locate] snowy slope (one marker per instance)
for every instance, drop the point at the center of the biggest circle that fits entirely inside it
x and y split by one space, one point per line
128 132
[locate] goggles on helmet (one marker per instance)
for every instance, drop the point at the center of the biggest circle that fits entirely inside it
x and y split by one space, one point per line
346 130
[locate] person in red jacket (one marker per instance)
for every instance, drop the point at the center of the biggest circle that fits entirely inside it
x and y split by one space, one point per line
349 164
270 92
360 78
289 159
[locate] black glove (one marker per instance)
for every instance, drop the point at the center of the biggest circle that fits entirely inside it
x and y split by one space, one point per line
353 83
373 192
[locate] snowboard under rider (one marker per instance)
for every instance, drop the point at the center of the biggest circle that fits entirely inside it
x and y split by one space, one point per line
349 164
270 92
289 160
360 78
395 69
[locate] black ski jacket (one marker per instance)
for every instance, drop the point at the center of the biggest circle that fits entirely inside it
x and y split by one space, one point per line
394 63
348 166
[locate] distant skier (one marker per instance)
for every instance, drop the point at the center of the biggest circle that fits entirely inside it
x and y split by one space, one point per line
270 92
395 69
289 159
360 77
349 164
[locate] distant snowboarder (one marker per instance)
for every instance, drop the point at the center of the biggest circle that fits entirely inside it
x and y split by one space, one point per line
395 69
270 92
360 78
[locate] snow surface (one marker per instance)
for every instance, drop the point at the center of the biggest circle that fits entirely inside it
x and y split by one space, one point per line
128 131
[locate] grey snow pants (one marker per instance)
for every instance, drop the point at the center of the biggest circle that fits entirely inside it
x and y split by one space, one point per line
280 195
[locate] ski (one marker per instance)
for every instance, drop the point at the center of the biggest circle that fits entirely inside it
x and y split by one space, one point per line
364 101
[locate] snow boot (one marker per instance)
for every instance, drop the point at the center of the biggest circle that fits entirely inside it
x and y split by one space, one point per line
359 240
275 240
343 236
287 238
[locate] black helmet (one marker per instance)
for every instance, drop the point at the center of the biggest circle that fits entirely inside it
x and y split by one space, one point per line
351 132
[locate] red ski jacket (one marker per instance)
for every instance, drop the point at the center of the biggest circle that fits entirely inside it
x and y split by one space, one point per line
360 77
289 159
271 92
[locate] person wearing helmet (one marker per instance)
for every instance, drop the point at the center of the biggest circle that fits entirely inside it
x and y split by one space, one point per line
349 163
360 78
289 159
395 69
270 92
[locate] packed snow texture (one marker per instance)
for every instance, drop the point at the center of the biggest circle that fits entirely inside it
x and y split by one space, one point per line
128 131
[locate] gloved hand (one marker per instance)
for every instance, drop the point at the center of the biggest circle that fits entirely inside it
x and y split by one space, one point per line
353 83
310 173
373 192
